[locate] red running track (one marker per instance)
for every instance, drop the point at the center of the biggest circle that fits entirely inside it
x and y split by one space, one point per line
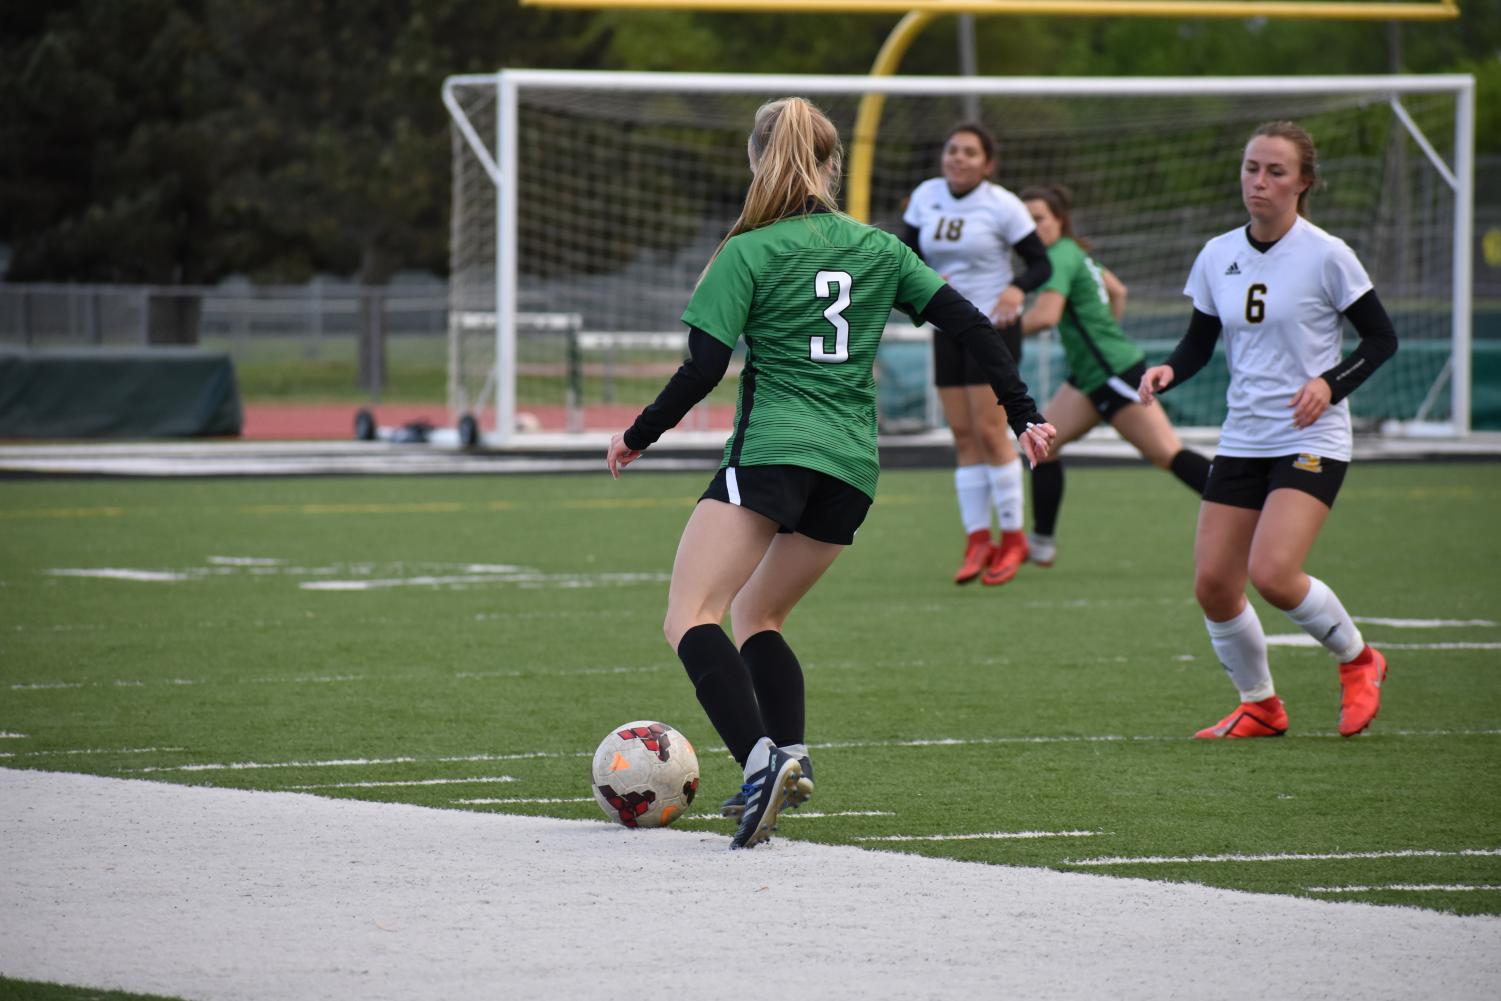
324 421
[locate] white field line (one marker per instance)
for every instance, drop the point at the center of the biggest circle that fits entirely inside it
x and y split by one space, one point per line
467 574
92 750
330 679
12 736
1405 887
117 573
389 902
985 836
525 580
409 782
716 749
791 815
1422 623
510 800
1304 640
236 766
486 675
1284 857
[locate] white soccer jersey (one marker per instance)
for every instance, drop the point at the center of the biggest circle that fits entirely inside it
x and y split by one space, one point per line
1282 326
968 240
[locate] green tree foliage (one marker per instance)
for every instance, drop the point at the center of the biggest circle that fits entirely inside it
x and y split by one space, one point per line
184 140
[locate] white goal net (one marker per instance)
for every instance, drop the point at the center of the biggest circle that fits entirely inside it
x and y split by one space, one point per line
585 205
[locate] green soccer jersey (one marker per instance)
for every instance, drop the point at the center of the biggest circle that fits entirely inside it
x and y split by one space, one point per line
1093 344
811 296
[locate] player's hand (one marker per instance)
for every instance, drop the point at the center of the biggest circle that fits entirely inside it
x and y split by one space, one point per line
619 456
1153 381
1037 441
1310 402
1008 308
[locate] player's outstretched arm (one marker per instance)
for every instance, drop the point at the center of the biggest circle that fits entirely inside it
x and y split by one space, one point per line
1037 442
956 315
708 360
619 454
1192 353
1153 381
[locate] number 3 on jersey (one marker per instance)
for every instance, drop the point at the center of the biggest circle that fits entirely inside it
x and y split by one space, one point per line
837 284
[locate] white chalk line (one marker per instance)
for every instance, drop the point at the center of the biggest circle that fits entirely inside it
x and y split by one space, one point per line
92 750
984 836
527 580
524 800
1422 623
12 736
1404 887
1304 640
696 818
1282 857
357 577
715 749
409 782
356 762
328 679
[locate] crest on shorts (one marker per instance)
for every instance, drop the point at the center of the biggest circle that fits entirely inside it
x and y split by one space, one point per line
1308 463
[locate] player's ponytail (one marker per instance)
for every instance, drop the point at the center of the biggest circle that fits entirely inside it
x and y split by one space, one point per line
1308 156
1060 202
796 161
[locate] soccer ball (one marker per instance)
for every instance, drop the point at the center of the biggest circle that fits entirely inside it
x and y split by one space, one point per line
645 774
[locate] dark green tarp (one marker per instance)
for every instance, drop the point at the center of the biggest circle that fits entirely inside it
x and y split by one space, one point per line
118 393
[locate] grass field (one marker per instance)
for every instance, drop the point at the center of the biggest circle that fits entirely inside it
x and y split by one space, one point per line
443 641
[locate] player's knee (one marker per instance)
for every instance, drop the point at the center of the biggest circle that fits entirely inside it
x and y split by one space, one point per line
1218 595
1162 458
1277 582
746 624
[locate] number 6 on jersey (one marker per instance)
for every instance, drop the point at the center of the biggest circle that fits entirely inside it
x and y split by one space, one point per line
818 347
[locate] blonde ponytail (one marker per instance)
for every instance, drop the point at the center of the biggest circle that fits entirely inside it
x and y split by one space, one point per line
796 154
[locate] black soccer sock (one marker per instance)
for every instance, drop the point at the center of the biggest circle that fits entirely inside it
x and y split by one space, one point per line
1192 468
1047 497
778 678
723 687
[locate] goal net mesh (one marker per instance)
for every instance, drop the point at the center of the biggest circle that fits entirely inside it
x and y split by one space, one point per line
623 194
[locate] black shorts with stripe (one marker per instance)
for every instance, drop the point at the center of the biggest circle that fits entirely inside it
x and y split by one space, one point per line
1118 393
954 366
815 504
1242 481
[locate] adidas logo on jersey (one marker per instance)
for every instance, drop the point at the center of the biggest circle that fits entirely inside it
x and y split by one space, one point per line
1233 269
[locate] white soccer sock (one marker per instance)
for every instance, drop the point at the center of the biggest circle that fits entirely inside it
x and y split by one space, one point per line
758 757
973 487
1241 647
1006 491
1321 616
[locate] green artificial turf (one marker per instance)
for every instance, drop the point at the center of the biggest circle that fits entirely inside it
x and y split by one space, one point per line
517 620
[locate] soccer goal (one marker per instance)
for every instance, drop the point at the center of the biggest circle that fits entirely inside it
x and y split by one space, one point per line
586 203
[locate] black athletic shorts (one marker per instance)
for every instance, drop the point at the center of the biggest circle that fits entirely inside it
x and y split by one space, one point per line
820 506
954 366
1117 394
1245 482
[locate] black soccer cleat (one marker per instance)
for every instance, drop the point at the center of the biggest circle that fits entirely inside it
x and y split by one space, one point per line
765 795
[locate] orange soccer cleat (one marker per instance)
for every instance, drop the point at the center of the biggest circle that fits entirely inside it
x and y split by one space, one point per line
1008 558
1360 691
976 556
1266 718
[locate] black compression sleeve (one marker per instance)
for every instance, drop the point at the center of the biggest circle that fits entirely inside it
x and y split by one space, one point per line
708 359
1378 342
1038 268
954 314
1195 349
909 236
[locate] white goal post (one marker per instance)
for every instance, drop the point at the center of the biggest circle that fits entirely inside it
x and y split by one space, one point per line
599 195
